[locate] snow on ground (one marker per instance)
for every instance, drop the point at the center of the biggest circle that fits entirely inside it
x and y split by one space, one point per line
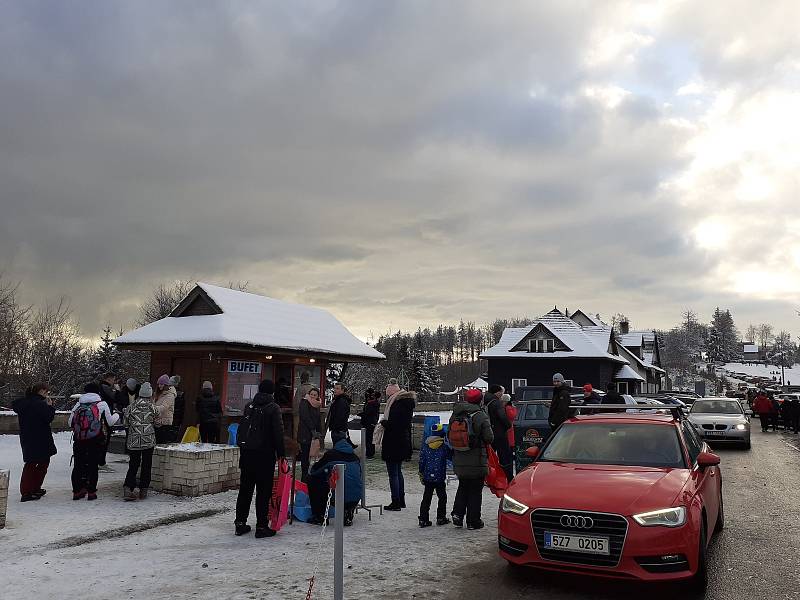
792 374
57 548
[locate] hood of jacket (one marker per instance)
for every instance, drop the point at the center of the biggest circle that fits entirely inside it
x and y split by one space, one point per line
344 446
89 398
434 442
405 395
260 399
465 408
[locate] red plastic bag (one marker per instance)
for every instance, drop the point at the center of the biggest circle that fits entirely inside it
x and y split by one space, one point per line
496 477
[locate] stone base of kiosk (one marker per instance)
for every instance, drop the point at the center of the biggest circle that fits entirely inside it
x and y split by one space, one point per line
5 477
195 469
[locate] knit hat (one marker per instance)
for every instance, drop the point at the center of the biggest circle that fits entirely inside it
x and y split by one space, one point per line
438 430
558 377
207 385
91 388
146 391
131 384
392 389
473 396
266 387
588 388
163 380
175 380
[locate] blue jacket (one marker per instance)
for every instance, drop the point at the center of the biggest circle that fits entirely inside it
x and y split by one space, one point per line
342 453
433 459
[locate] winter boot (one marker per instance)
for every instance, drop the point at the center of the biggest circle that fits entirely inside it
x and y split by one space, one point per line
142 493
458 521
442 521
91 496
349 513
242 528
29 497
79 495
476 525
394 506
40 492
402 502
424 522
262 532
129 495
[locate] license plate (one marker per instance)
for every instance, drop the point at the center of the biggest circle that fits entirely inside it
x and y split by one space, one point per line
576 543
715 433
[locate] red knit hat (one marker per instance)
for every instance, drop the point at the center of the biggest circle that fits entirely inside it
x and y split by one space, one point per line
588 388
473 396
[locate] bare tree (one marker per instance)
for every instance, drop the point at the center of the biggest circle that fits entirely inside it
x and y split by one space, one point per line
765 335
163 301
751 333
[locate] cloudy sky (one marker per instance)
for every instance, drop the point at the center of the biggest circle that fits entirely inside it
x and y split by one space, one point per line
406 163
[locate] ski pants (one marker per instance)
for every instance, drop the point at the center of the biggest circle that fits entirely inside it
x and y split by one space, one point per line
143 458
441 493
468 499
86 458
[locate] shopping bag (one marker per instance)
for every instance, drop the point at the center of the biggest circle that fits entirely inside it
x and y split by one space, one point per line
281 491
496 478
192 434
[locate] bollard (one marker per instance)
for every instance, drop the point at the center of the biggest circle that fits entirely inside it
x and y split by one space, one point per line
338 546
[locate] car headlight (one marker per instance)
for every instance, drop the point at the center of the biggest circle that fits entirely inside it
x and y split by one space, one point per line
666 517
510 505
741 427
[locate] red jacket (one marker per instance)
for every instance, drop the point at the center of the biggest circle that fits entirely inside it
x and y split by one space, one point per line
762 405
511 413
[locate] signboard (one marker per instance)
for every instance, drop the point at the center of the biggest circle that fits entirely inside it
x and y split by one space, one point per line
243 366
242 385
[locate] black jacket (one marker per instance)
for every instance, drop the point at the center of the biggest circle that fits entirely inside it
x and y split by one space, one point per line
338 413
179 408
613 397
369 416
309 422
108 394
496 409
35 435
208 408
396 445
559 407
272 444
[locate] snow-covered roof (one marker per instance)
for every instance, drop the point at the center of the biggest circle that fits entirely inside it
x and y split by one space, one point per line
252 320
479 383
626 372
632 339
589 342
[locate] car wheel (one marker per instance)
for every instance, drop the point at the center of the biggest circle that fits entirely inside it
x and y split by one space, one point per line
720 525
747 445
699 582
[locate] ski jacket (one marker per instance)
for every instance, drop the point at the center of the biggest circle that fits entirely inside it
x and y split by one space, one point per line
208 408
559 406
140 416
473 463
105 413
396 444
433 459
165 406
496 410
341 453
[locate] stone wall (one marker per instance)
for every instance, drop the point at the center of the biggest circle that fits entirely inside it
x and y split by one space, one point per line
195 469
5 477
10 424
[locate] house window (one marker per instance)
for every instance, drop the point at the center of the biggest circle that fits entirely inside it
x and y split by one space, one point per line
515 383
622 387
541 346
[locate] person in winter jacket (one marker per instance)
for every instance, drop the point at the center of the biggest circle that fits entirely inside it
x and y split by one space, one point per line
612 395
179 407
35 413
763 407
86 420
396 446
260 440
299 396
140 416
209 414
108 394
559 406
308 428
496 409
511 413
794 415
338 413
471 466
369 417
165 408
318 486
433 472
126 394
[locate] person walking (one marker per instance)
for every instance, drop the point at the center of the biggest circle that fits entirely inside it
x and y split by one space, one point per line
496 410
471 465
396 444
165 407
308 429
559 405
763 407
209 414
87 420
140 416
260 439
369 418
339 413
433 474
35 413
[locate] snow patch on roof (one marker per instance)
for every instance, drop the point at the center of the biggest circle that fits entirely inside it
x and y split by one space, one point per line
626 372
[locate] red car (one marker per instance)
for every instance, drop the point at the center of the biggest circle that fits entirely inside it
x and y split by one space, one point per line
626 496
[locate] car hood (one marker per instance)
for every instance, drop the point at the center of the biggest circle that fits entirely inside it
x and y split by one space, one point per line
601 488
711 418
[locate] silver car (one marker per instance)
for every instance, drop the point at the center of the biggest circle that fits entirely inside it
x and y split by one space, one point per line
721 420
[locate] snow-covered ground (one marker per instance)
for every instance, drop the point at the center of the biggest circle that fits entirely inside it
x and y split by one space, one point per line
169 547
792 374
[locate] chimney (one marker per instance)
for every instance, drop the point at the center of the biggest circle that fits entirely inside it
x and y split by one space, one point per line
624 327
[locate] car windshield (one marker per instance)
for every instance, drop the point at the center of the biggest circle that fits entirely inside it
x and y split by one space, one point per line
543 394
627 444
535 412
717 407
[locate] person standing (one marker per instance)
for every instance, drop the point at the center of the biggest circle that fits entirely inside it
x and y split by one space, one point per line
299 396
35 412
209 414
396 446
511 413
495 408
180 406
794 414
165 407
559 405
140 416
612 395
126 394
260 439
87 420
369 418
338 414
763 407
433 474
108 393
309 428
471 465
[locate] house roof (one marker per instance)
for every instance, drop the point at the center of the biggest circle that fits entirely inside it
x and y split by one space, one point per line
251 320
626 372
646 340
588 342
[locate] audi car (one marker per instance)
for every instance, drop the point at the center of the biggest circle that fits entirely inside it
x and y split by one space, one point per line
625 496
721 420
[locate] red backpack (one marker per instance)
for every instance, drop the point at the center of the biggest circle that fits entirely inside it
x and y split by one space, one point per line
86 422
460 434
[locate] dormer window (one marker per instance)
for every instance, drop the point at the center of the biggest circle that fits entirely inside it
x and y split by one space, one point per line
541 346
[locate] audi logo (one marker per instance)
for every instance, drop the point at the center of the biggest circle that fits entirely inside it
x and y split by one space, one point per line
577 521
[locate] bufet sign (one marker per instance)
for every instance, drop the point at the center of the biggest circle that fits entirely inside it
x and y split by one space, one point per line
245 367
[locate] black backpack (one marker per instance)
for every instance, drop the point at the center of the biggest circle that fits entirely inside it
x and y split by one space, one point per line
252 433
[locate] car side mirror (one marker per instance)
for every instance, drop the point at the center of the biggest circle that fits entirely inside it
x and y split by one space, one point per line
532 452
707 459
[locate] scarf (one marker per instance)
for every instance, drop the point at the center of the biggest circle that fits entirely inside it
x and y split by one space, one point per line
315 403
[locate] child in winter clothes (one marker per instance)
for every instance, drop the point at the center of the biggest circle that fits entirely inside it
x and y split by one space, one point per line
140 415
433 472
86 420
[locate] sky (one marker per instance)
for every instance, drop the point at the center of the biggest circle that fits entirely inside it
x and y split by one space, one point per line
405 163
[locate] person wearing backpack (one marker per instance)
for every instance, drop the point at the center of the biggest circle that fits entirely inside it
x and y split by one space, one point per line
140 415
35 412
469 432
432 473
260 439
86 421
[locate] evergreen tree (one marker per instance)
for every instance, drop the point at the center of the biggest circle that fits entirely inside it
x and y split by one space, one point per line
105 358
420 378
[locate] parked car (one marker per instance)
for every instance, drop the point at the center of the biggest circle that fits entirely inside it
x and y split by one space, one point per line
721 420
531 429
655 501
